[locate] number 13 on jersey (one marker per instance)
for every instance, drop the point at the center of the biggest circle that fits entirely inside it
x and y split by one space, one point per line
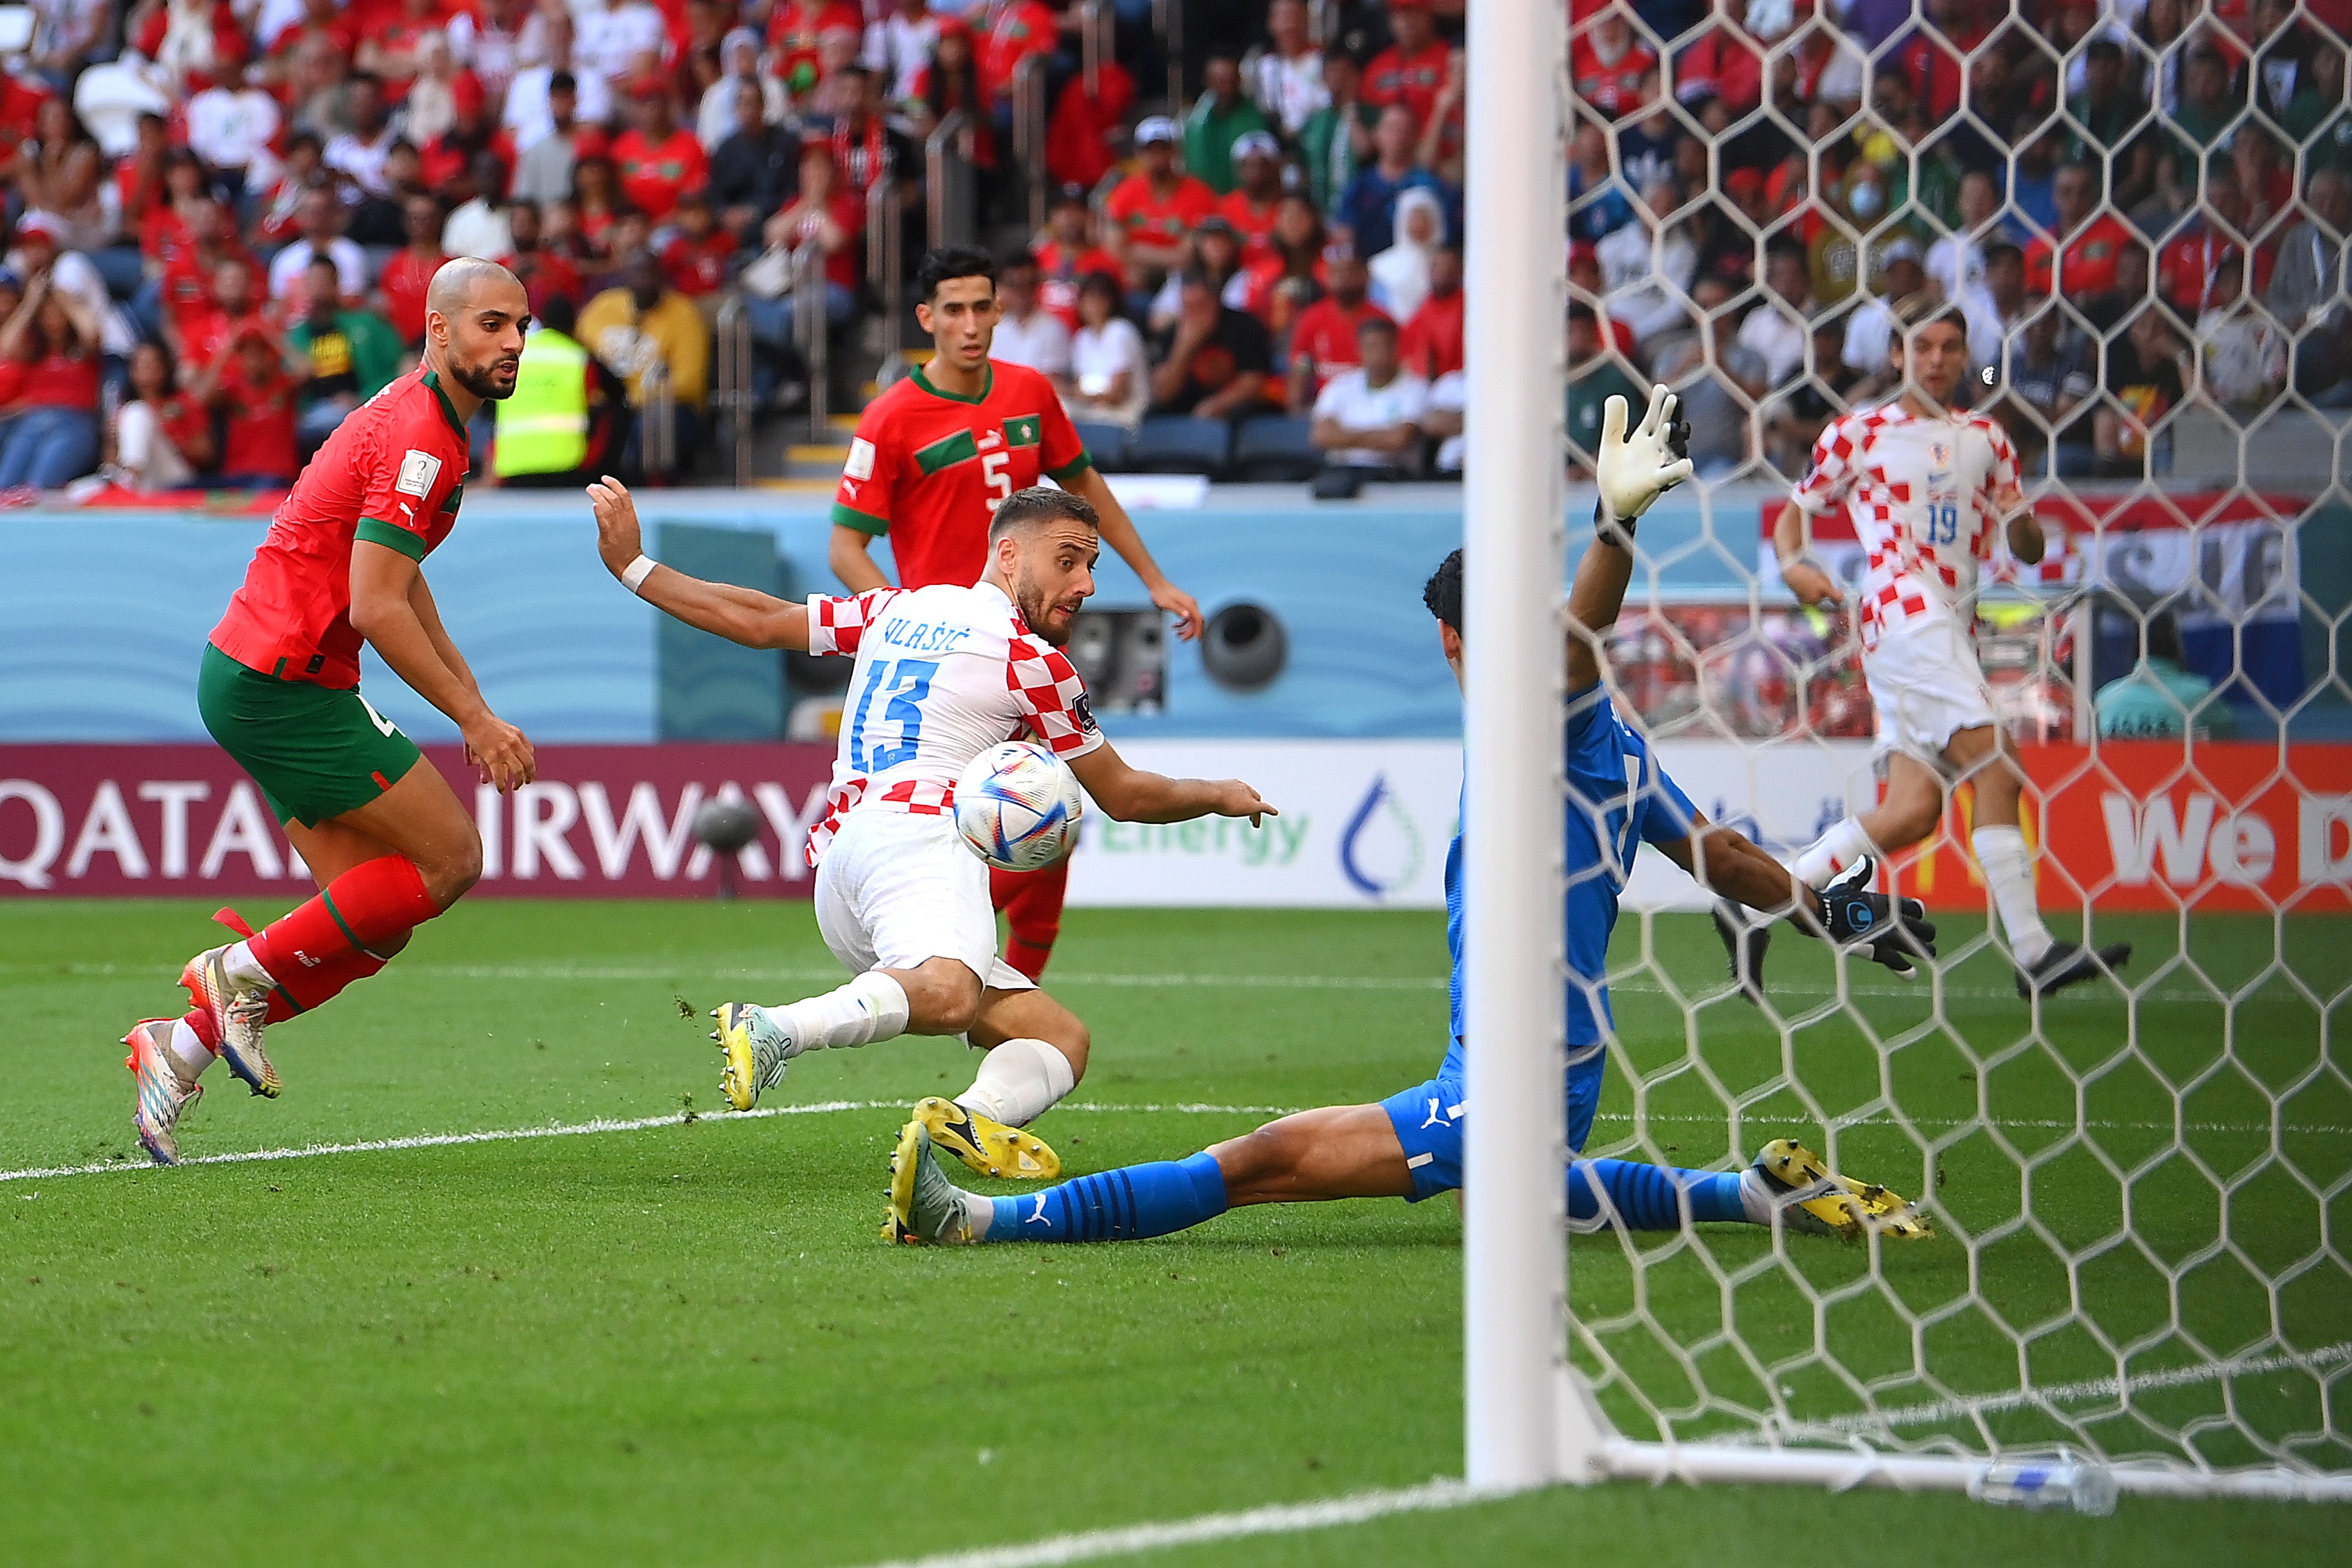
905 684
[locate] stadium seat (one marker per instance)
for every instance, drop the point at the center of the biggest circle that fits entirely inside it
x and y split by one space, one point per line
1276 448
1105 444
1179 444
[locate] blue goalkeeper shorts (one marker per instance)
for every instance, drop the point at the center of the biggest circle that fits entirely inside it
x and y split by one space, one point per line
1429 1119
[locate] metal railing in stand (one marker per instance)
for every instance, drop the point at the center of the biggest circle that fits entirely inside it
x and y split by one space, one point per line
1168 21
886 230
810 333
734 394
1098 41
948 184
657 442
1029 132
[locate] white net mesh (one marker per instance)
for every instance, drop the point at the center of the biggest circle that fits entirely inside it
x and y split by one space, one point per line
2138 1185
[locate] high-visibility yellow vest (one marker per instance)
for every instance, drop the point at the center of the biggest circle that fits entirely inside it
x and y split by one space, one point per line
543 428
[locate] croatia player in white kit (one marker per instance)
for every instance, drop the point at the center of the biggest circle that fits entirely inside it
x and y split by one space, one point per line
943 674
1929 487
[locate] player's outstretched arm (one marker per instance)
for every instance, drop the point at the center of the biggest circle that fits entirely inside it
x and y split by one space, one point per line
1724 860
742 615
1131 795
1119 532
1634 469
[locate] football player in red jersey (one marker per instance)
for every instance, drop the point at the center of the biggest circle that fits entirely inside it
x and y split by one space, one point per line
932 458
381 830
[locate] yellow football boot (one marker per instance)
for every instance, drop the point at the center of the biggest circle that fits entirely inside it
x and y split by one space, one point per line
989 1147
1811 1197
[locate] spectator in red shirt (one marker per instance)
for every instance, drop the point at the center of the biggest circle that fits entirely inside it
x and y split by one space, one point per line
183 289
392 37
1724 63
796 29
233 302
164 226
1411 70
1152 210
324 20
1291 273
249 384
1067 255
832 220
1323 340
1432 345
546 273
161 438
409 273
281 206
596 201
2081 260
696 260
1250 206
53 438
660 159
1607 63
1022 28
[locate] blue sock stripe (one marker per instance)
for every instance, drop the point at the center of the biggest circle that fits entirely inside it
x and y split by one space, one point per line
1132 1203
1649 1197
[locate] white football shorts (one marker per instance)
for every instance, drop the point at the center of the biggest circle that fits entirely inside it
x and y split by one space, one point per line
896 888
1927 686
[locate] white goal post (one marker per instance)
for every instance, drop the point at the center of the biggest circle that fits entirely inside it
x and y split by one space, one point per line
1551 1400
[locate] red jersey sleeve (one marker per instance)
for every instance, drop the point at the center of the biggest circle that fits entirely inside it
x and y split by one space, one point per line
411 474
835 625
1832 472
1053 698
1060 452
869 478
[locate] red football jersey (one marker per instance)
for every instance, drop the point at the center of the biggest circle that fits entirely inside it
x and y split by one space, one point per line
392 473
653 176
1326 333
1142 216
928 468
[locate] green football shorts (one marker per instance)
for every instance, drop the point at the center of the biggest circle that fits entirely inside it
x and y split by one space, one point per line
316 752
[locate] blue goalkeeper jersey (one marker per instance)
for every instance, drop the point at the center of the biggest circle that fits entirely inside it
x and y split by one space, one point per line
1618 798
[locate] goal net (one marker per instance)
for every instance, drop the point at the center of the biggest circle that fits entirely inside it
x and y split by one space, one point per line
2139 1186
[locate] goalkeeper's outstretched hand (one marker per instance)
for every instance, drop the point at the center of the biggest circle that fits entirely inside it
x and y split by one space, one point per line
1893 931
1636 468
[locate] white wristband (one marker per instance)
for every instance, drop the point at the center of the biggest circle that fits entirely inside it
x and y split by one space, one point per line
633 577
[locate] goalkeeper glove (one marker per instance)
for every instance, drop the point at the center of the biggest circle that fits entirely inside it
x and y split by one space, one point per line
1891 930
1635 469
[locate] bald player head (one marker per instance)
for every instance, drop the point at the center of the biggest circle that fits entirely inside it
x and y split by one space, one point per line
475 313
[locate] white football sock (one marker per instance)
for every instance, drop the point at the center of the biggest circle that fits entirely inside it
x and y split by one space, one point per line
245 969
1019 1081
1757 1195
2001 853
1834 850
189 1046
871 1008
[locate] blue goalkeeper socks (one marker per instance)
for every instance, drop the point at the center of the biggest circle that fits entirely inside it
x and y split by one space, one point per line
1128 1203
1649 1197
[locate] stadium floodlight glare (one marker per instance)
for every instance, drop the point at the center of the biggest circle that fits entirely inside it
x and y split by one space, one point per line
2170 1331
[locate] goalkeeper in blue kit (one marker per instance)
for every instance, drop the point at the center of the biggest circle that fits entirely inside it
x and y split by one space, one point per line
1410 1145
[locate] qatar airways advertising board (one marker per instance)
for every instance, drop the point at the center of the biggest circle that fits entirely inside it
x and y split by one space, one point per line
1362 824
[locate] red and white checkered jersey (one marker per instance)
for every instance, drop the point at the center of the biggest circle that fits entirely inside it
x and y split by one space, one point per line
942 675
1920 494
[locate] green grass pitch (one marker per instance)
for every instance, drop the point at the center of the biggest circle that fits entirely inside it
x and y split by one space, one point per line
686 1344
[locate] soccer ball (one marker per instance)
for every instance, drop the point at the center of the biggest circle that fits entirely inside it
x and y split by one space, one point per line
1017 805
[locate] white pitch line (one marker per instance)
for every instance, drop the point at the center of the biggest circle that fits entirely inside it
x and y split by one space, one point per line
578 1129
824 1107
1943 1411
1280 1518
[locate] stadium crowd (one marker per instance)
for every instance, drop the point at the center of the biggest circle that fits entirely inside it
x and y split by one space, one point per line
225 213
